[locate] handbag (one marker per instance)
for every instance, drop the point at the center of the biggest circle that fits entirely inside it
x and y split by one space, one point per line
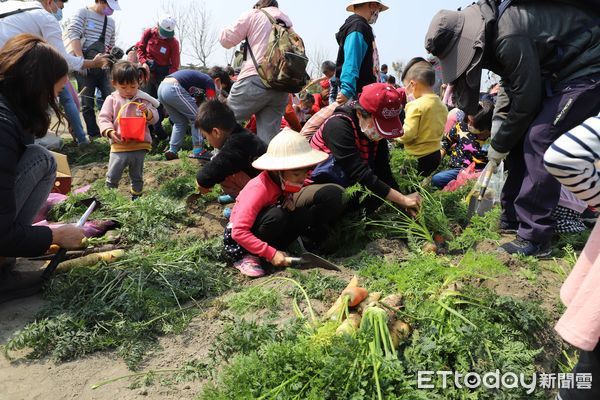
99 46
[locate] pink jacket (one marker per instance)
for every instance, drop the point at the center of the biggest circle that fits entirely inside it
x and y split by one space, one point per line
107 119
255 26
580 324
260 193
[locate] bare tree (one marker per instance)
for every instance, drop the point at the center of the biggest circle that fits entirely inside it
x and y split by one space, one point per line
202 36
398 67
316 57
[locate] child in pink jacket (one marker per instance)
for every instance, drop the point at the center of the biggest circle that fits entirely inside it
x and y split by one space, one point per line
574 159
275 208
127 153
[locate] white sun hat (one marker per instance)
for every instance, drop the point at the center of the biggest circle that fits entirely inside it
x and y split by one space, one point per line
287 151
353 3
114 4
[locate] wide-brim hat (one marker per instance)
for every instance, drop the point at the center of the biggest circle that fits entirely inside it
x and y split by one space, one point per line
454 37
114 4
353 3
289 150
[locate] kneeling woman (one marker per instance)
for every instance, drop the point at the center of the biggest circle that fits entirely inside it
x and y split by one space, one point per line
275 208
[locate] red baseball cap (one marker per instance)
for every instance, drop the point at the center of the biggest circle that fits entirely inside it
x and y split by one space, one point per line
383 102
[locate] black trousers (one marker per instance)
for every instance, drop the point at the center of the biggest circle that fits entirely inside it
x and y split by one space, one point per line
429 163
314 208
151 87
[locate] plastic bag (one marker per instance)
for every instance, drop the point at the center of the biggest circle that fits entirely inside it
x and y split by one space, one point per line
463 177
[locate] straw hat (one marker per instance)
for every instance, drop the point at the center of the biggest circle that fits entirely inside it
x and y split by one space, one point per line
289 150
353 3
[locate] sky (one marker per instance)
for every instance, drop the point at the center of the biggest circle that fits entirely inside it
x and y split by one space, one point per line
400 31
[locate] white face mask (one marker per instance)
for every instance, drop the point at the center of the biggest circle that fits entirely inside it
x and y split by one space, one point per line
370 131
374 17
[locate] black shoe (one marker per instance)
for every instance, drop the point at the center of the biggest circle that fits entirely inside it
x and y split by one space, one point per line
523 247
169 155
509 228
134 197
16 284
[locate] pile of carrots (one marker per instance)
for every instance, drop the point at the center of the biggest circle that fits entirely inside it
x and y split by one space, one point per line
357 309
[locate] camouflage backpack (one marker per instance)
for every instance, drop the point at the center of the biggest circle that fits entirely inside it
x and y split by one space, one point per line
284 65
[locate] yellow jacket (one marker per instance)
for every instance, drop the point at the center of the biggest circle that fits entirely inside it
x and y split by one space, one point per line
424 125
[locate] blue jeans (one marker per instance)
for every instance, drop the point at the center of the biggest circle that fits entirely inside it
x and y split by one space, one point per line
72 113
182 110
441 179
36 172
87 84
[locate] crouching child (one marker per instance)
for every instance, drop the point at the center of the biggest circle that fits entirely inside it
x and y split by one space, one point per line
238 149
275 208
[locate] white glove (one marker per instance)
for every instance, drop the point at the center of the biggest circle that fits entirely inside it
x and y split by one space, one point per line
495 157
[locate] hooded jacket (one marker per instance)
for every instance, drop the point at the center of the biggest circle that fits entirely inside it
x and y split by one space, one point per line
536 46
356 61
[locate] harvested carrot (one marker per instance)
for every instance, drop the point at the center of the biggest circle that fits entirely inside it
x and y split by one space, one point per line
355 295
399 332
334 311
350 325
392 304
371 299
92 259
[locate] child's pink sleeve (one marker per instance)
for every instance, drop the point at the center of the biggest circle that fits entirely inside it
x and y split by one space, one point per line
107 116
249 204
154 112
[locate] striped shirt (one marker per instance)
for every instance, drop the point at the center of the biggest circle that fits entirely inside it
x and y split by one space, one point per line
87 25
574 159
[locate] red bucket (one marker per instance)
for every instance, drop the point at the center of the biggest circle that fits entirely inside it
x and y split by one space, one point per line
132 128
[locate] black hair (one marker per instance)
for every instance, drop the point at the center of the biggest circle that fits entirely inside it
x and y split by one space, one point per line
391 79
483 119
266 3
328 66
124 72
219 72
384 66
305 96
215 114
359 109
230 71
29 70
420 70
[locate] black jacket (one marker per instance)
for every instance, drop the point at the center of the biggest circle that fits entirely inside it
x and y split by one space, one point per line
530 62
16 240
240 149
339 136
356 23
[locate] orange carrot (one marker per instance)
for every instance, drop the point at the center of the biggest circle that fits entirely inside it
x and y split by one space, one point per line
356 295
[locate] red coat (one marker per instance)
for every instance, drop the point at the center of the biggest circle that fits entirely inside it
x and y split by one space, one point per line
163 51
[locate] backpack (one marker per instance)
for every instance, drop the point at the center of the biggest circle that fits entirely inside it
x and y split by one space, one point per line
285 62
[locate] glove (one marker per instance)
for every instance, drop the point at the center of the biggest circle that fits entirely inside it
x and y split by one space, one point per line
495 157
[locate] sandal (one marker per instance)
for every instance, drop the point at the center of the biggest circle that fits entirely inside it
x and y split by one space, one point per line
250 266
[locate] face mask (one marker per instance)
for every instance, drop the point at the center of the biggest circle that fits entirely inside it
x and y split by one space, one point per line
108 11
374 17
474 130
58 15
371 133
305 110
290 187
410 97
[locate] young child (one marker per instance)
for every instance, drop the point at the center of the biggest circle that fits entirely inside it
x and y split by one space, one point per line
328 69
125 153
425 116
274 208
466 143
307 107
238 148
